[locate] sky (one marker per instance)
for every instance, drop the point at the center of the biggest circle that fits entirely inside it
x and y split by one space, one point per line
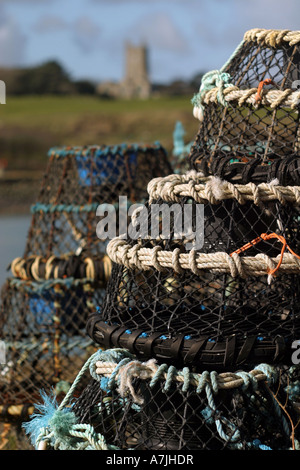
87 37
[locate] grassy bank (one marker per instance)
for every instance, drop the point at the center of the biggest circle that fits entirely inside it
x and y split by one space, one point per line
29 126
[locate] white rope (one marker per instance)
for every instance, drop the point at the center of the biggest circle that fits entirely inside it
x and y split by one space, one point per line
213 190
244 266
147 370
273 98
272 37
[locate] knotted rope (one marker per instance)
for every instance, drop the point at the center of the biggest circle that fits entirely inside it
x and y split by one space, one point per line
261 264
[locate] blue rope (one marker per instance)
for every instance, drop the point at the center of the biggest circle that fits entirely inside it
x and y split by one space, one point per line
117 355
216 78
39 287
97 151
50 208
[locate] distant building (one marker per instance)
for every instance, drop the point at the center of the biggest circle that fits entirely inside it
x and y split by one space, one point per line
136 83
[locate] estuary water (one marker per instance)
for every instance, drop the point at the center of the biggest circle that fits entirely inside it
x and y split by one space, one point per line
13 235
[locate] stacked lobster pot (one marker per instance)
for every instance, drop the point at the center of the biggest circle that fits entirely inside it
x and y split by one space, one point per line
62 276
201 320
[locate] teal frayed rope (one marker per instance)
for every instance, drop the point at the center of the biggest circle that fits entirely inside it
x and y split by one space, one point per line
213 79
57 425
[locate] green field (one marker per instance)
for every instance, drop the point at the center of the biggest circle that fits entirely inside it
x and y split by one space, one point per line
29 126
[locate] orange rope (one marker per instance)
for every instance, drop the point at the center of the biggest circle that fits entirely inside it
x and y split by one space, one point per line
267 81
268 236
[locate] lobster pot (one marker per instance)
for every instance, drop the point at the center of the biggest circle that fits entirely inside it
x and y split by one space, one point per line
249 112
44 330
165 408
62 275
77 181
233 301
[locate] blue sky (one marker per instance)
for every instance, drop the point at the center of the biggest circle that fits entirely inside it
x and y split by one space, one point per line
87 36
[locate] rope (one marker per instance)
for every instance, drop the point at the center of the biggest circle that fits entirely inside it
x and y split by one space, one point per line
215 85
50 208
265 236
272 37
30 267
100 151
150 370
39 287
253 96
145 258
213 190
87 438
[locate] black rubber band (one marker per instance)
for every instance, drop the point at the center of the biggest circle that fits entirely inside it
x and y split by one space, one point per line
130 341
246 349
148 346
229 350
195 349
116 335
280 348
176 346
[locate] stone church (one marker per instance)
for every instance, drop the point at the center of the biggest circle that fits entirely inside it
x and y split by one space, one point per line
136 82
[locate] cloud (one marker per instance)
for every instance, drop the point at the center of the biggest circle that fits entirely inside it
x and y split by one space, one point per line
12 41
170 3
158 31
50 24
85 34
83 31
9 2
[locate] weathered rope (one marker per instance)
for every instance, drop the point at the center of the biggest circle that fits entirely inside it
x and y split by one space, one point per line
50 208
151 371
59 285
100 151
272 37
57 426
122 253
216 87
214 190
232 94
40 268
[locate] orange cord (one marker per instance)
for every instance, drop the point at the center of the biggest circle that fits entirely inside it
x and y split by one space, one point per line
266 236
267 81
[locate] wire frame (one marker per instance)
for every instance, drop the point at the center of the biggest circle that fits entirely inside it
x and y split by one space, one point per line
249 127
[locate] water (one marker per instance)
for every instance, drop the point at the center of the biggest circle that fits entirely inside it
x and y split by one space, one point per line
13 235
